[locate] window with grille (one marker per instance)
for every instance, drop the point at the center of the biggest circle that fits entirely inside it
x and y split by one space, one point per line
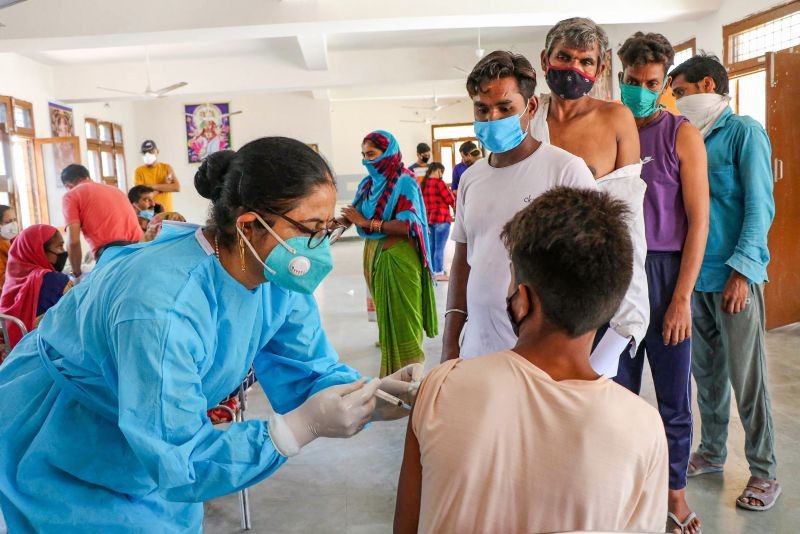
774 35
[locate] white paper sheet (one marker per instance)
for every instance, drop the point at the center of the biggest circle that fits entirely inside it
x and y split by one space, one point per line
605 358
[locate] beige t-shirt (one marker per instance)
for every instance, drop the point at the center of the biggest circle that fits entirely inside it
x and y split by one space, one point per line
505 448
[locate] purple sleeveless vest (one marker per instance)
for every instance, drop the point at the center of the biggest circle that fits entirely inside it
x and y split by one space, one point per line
664 214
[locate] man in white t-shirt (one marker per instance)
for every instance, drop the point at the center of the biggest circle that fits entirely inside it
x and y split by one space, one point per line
502 87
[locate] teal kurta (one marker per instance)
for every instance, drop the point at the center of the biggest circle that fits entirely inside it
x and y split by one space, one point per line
104 425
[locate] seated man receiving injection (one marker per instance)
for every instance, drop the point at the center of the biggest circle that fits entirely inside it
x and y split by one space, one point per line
532 439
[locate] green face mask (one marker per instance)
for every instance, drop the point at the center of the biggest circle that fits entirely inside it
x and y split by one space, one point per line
640 100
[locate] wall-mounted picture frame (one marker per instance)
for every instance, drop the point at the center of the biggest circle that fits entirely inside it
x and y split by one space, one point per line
208 129
61 120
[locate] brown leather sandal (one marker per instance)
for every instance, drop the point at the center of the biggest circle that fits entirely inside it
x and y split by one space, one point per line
760 489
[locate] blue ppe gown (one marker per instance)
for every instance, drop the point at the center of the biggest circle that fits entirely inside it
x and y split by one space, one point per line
104 425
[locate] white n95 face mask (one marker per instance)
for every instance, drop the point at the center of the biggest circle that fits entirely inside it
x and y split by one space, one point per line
149 158
702 109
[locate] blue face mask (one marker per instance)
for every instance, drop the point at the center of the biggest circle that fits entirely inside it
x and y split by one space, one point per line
641 101
292 265
501 135
146 214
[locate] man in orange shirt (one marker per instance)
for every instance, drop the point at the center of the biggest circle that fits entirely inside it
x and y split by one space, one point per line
160 176
102 212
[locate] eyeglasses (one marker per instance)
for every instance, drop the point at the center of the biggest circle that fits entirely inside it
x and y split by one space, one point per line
316 237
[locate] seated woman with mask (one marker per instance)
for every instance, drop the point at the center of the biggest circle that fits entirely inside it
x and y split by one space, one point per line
34 281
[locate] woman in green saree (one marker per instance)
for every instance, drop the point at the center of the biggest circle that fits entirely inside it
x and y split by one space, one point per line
390 215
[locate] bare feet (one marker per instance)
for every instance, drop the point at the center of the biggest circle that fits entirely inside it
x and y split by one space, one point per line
678 506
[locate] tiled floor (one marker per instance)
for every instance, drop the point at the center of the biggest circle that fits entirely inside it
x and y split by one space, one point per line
349 485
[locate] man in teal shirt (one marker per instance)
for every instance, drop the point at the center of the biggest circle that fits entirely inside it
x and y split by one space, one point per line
728 322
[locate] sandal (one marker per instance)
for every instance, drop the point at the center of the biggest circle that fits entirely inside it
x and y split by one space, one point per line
672 518
698 465
767 492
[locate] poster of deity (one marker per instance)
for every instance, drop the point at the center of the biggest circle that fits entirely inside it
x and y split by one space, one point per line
208 130
61 123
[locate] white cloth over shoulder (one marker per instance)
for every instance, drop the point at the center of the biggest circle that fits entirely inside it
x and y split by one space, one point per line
633 314
624 184
539 128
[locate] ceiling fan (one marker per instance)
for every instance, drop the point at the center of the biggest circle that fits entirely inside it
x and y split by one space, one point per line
479 53
148 91
421 119
435 106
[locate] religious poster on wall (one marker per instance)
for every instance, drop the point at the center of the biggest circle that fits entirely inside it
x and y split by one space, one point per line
602 86
61 123
208 129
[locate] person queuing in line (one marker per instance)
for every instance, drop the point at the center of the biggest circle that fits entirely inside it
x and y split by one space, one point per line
502 87
389 214
676 227
100 211
439 200
604 135
8 231
34 281
532 439
106 430
160 176
421 165
470 153
728 323
142 199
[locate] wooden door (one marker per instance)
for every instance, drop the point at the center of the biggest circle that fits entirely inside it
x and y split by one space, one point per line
448 153
783 110
52 154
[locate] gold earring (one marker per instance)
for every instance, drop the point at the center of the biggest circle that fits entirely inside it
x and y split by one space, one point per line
241 250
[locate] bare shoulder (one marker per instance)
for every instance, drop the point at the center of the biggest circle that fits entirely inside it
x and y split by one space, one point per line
615 112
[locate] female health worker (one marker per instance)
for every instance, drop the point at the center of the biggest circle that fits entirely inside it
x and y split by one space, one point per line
104 425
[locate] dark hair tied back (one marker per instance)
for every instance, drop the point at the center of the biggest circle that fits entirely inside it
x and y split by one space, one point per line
268 174
210 177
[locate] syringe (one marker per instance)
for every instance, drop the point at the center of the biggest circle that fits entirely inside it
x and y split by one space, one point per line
391 399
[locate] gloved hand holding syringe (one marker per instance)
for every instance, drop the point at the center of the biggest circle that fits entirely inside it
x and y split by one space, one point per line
343 410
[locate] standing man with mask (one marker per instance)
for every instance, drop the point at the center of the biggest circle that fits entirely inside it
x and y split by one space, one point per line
470 153
423 157
157 175
502 88
676 215
729 295
604 135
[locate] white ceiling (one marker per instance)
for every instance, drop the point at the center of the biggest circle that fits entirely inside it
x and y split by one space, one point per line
338 46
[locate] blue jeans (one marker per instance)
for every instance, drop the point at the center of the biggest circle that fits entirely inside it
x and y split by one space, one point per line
438 234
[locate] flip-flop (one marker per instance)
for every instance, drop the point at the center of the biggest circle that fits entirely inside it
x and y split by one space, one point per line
770 491
698 465
674 519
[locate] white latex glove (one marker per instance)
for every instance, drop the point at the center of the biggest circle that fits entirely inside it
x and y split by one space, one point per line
336 412
403 384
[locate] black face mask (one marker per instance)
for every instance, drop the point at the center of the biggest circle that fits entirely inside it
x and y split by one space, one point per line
61 261
569 84
425 159
510 312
